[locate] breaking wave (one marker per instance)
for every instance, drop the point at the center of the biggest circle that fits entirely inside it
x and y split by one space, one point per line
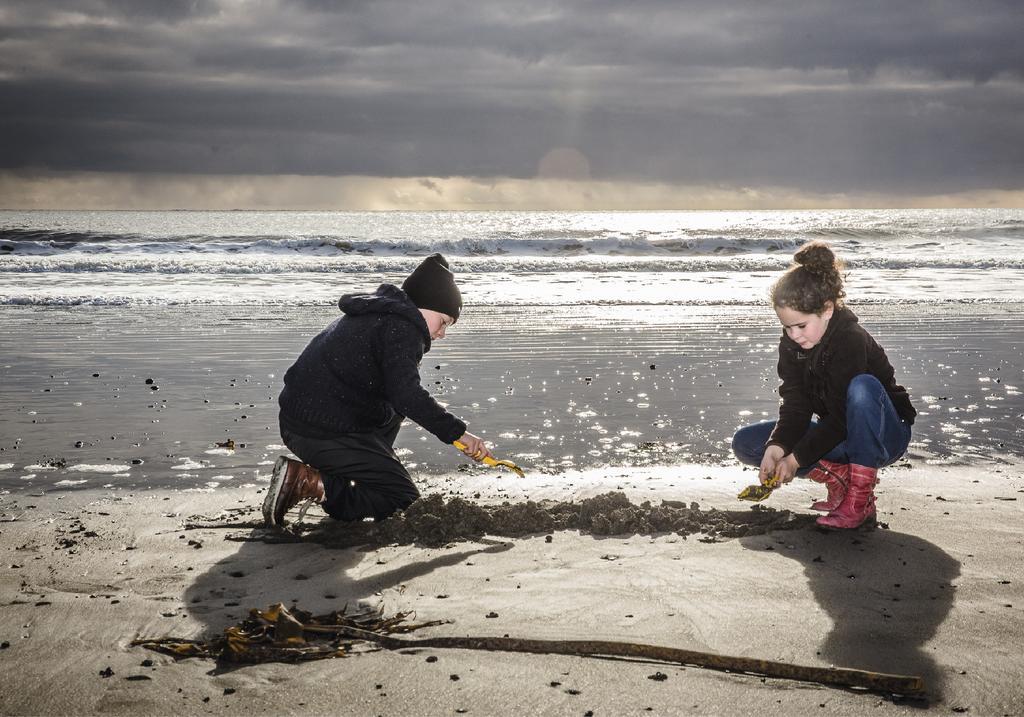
277 264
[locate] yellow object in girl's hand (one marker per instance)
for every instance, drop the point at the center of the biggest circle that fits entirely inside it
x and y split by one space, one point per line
757 493
493 462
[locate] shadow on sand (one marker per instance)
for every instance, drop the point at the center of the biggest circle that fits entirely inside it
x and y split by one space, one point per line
308 575
885 592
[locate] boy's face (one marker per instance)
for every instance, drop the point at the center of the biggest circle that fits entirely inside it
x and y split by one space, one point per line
437 323
805 329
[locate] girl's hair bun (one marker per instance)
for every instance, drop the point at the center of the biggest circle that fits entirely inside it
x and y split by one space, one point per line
816 257
814 280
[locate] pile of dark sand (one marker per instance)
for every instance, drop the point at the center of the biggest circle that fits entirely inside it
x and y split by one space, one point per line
433 521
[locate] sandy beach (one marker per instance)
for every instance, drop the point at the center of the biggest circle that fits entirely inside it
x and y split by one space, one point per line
934 593
107 479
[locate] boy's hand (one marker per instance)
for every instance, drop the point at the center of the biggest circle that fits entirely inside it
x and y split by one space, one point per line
475 447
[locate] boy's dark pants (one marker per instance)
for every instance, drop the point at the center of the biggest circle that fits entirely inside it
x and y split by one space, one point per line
363 477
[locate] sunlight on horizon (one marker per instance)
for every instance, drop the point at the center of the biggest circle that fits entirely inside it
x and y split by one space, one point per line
99 190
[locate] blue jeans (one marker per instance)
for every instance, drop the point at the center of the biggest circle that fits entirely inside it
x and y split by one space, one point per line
875 434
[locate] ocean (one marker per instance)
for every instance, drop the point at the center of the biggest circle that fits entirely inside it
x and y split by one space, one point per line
502 258
132 343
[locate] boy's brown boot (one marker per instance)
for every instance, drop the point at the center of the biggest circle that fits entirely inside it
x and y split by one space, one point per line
835 476
291 483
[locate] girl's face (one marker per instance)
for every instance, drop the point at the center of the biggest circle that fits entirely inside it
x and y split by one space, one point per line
805 329
437 323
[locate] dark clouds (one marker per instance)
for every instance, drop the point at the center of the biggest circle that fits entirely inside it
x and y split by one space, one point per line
911 97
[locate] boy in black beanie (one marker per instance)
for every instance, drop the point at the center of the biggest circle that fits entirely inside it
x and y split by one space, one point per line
345 397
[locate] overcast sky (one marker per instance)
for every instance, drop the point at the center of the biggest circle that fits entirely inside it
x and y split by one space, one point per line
838 99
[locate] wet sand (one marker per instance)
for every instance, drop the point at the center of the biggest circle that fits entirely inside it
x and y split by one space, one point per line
141 397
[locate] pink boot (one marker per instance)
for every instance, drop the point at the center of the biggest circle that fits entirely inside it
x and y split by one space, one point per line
835 476
859 503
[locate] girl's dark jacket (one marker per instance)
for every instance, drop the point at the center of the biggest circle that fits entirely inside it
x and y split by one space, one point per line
814 381
363 370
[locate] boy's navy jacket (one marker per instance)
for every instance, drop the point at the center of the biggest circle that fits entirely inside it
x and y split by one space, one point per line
362 370
814 381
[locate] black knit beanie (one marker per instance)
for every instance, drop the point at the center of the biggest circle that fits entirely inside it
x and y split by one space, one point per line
432 286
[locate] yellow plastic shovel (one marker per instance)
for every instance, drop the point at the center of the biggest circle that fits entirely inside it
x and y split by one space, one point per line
492 462
760 491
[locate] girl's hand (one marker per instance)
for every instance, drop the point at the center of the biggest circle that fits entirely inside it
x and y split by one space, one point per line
772 455
475 447
786 468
